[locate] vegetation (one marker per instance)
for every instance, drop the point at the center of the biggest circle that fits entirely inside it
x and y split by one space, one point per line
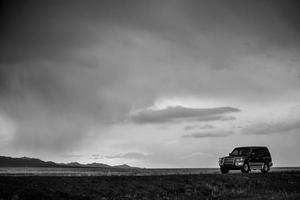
280 185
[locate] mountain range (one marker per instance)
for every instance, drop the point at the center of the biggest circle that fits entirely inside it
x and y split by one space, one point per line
35 162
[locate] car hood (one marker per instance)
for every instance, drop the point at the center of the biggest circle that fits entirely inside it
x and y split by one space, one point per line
234 157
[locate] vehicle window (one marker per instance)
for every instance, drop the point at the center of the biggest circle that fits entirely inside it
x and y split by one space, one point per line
256 152
235 152
244 152
262 152
240 152
266 152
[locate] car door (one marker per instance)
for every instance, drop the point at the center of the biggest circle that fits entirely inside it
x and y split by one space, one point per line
255 162
262 155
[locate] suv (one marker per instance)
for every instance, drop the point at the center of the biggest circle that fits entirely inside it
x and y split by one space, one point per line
246 159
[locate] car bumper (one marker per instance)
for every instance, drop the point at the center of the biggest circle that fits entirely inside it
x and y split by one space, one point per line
232 166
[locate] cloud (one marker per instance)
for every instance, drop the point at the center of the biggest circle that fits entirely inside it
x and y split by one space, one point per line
180 113
272 128
290 123
193 127
67 70
72 155
211 134
97 156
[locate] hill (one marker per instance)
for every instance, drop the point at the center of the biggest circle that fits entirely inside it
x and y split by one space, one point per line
25 162
34 162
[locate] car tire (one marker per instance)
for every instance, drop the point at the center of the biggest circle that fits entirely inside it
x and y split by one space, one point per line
245 168
266 168
224 170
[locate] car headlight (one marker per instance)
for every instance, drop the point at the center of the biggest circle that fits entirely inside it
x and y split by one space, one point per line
221 160
239 160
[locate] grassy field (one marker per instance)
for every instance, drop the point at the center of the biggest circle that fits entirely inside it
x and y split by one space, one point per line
276 185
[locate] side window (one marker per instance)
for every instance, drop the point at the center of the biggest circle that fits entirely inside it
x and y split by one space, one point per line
255 152
262 152
244 152
235 152
266 152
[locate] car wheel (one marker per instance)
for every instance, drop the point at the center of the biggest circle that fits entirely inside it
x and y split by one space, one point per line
245 168
265 168
224 170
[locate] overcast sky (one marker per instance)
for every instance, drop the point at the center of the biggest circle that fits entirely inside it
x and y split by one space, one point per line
175 83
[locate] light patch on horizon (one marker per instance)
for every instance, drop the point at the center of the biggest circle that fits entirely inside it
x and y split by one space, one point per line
7 130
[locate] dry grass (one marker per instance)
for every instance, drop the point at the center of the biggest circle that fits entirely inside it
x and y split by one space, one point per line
284 185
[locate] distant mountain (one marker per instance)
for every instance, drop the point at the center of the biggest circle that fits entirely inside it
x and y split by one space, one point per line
97 165
25 162
34 162
71 164
123 166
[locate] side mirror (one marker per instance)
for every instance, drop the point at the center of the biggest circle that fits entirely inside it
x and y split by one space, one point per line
229 154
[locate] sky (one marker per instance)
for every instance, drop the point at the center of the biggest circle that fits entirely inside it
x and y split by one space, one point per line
175 83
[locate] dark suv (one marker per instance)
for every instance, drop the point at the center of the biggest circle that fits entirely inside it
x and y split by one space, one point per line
246 159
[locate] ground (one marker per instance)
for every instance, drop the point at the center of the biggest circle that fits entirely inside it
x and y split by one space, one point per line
277 185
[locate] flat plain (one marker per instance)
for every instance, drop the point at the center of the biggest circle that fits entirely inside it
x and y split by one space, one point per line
274 185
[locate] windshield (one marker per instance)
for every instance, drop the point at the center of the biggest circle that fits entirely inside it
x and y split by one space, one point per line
240 152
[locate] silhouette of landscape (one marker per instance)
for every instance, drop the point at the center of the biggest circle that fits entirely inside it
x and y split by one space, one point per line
34 162
31 178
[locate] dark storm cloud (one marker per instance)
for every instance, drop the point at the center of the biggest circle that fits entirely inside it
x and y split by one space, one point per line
214 118
181 113
50 88
209 134
68 66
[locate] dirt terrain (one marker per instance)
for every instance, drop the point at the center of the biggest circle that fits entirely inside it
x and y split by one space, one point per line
276 185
